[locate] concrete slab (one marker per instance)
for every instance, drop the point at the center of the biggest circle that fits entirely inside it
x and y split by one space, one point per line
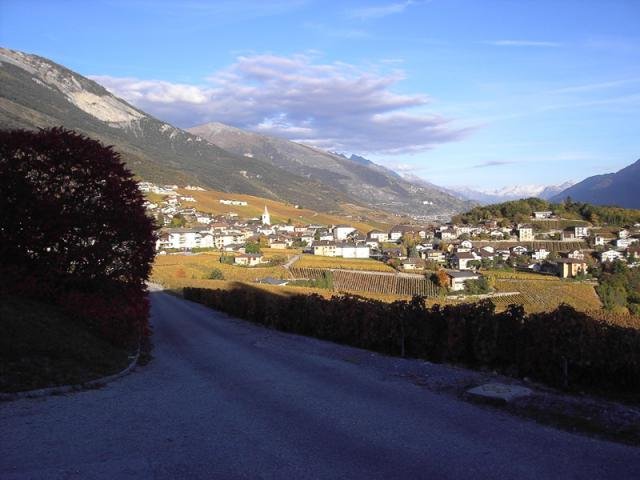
499 392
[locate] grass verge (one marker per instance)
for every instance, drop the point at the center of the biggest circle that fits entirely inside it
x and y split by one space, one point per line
41 347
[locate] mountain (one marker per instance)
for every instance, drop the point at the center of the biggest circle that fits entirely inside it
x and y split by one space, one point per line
37 93
356 176
504 194
621 188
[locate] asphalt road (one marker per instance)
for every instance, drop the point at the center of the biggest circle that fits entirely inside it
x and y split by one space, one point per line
226 399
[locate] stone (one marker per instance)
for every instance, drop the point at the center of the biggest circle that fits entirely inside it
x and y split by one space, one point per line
499 392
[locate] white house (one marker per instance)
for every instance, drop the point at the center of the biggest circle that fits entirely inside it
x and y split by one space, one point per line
540 254
341 232
378 236
525 233
248 259
266 217
461 260
599 240
542 215
610 256
350 250
457 279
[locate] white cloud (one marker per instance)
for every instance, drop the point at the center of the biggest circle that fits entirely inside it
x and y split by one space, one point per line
379 11
334 106
523 43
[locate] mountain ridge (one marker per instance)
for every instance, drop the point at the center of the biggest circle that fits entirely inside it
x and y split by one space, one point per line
620 188
367 181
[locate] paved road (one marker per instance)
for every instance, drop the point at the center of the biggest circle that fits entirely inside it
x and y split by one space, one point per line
226 399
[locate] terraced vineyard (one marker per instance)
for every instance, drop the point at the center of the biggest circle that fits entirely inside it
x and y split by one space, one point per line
372 282
547 293
318 261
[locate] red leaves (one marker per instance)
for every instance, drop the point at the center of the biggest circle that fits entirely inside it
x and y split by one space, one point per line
72 220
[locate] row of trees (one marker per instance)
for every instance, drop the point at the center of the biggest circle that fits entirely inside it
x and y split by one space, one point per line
564 348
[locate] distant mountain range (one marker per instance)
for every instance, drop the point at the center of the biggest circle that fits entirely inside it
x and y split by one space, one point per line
368 182
486 197
621 188
36 93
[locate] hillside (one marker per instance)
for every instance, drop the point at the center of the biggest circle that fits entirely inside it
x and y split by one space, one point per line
368 182
36 93
620 188
209 202
520 211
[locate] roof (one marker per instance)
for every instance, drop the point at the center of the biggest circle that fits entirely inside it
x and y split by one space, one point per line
462 274
464 256
570 260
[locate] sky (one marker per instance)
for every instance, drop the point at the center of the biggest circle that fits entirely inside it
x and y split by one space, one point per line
485 94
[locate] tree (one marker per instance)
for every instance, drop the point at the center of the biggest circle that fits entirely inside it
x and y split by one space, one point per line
252 247
178 221
73 219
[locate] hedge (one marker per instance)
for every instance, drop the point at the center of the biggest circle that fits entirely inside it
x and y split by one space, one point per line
563 348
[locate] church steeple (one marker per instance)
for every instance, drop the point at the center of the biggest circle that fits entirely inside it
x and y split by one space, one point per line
266 218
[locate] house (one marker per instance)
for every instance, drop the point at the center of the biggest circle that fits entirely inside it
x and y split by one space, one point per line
610 256
325 248
433 256
571 233
413 264
518 250
540 254
457 279
460 260
377 236
525 233
496 234
466 244
249 259
622 243
393 252
542 215
599 240
352 250
571 267
341 232
447 234
624 233
576 255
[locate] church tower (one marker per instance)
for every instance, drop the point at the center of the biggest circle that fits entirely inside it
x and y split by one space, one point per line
266 218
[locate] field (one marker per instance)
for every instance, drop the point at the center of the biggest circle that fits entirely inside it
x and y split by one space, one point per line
538 293
317 261
209 202
168 268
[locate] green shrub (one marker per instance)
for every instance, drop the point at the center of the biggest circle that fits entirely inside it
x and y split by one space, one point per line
216 274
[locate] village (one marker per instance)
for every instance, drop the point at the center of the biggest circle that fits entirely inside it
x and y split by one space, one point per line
463 252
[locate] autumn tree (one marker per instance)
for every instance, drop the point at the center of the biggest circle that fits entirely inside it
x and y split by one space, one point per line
73 219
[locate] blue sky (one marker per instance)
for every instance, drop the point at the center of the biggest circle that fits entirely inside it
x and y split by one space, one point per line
459 92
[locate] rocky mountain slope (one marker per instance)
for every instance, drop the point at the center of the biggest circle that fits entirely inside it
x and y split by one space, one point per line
356 176
37 93
621 188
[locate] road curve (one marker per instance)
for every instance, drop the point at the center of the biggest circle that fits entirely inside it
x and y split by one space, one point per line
227 399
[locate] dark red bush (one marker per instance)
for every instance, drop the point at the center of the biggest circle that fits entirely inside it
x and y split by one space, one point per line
72 221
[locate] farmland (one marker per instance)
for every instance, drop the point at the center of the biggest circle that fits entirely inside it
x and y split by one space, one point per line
539 293
316 261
